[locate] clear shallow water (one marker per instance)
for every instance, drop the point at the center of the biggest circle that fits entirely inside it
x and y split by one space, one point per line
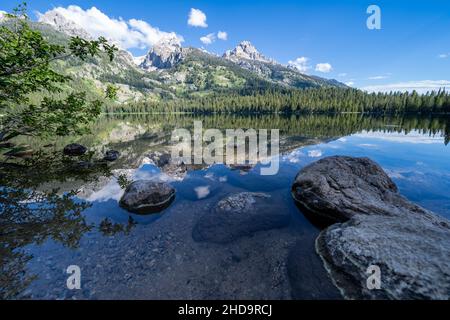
127 256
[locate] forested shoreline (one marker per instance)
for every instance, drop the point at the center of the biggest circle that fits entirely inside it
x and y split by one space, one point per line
316 100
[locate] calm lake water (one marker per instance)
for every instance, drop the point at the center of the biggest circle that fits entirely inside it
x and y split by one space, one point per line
125 256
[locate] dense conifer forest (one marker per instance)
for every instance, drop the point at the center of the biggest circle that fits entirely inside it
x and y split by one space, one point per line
316 100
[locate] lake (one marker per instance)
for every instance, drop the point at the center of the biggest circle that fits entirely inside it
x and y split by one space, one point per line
159 256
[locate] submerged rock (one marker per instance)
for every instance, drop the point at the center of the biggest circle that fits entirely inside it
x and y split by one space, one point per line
111 155
379 227
74 150
240 215
147 196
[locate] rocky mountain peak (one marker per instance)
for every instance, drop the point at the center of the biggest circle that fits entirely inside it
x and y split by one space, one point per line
164 54
64 25
246 50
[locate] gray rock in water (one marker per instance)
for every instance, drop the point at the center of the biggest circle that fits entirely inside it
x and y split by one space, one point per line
74 150
111 155
409 244
338 188
147 196
240 215
175 170
411 252
160 159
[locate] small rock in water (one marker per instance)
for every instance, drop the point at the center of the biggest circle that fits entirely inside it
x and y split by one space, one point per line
111 155
175 170
74 150
147 196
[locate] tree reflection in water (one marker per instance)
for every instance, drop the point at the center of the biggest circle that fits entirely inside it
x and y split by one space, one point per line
31 213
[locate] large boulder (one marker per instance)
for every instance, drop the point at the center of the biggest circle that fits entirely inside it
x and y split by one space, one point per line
377 227
74 150
240 215
338 188
147 196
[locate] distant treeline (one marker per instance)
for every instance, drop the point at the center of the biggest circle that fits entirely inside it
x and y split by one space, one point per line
318 100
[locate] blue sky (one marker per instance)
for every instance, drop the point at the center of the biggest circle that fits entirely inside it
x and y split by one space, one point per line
412 46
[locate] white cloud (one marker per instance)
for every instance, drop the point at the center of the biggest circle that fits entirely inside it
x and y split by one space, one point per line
197 18
350 83
208 39
342 75
3 15
378 77
138 60
127 34
444 55
420 86
315 153
222 35
324 67
295 156
301 64
151 35
202 192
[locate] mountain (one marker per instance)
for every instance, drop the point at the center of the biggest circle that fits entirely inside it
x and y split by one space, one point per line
169 70
201 73
94 74
63 25
164 54
248 57
245 51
